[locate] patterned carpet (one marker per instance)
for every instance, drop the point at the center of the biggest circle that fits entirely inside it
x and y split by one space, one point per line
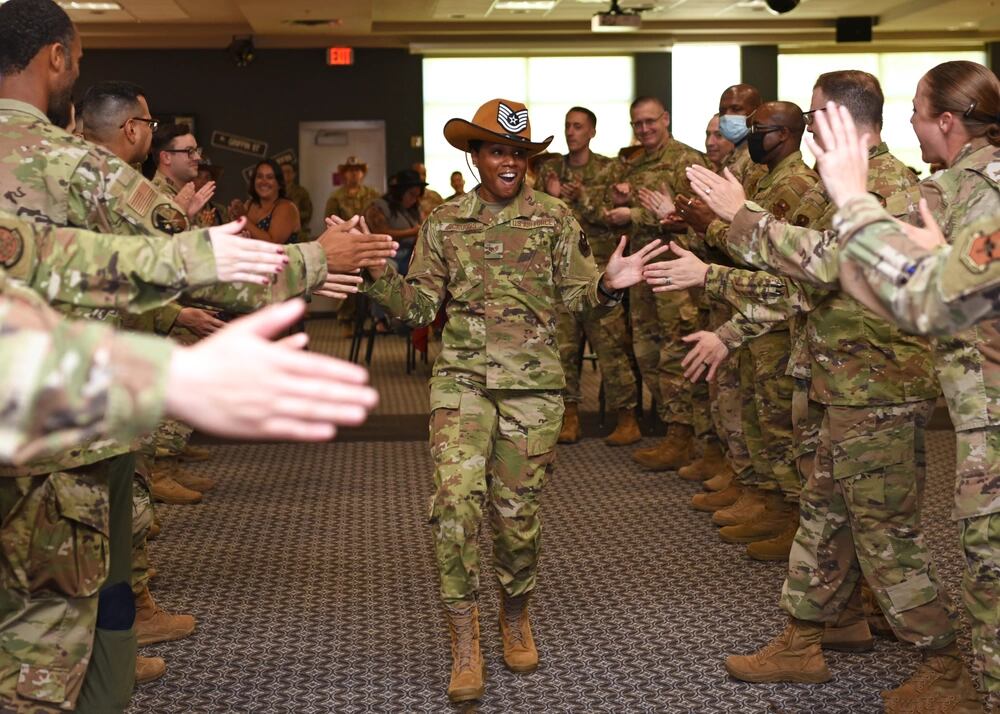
310 572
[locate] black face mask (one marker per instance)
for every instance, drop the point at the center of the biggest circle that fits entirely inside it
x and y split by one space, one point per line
755 145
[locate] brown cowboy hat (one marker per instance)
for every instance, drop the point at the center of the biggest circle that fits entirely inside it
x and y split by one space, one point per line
353 162
499 121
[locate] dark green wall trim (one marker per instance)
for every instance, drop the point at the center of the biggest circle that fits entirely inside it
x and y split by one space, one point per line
760 68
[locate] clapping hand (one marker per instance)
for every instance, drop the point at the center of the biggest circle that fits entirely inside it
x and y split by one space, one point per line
724 194
686 271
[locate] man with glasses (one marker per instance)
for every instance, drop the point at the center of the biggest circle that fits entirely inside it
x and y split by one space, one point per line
177 155
115 115
658 321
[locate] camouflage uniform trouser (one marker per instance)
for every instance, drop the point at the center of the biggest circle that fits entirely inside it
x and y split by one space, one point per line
142 519
703 397
727 414
172 436
767 415
859 513
659 320
493 446
61 543
608 336
979 460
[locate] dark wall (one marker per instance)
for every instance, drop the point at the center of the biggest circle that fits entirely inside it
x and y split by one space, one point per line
760 68
268 99
993 57
652 76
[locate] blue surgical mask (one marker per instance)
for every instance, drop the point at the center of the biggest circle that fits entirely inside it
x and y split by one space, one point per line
733 127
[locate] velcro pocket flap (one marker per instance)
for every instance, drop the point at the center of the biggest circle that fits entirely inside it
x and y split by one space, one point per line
43 684
865 454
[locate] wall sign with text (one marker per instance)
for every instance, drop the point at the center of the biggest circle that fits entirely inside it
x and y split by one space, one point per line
239 144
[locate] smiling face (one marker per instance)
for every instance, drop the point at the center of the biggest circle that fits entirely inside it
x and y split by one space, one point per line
650 123
501 169
929 128
265 183
717 147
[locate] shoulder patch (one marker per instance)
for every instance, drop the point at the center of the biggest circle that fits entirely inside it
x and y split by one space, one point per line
801 220
141 198
584 245
983 250
169 219
11 247
780 209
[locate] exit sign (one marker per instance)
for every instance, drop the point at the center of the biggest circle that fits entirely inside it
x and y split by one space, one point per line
339 56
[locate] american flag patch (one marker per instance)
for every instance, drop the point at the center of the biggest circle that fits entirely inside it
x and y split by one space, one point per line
141 199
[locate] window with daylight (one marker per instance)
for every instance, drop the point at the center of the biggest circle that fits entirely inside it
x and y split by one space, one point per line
898 72
698 76
548 85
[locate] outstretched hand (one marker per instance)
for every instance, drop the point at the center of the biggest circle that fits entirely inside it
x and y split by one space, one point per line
623 272
709 351
723 194
238 383
349 246
842 160
686 271
244 260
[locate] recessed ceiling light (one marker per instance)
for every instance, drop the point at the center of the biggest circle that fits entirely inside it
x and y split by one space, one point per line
95 6
539 5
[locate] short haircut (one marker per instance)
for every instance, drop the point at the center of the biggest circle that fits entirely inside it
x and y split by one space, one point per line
164 137
584 110
107 105
455 173
643 100
26 26
858 91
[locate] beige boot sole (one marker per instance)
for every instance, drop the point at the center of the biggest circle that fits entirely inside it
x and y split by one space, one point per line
781 675
469 694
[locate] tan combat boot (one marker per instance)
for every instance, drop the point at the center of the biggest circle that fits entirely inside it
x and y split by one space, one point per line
850 632
468 670
766 524
780 546
706 466
721 480
519 652
570 433
626 430
191 481
149 668
940 684
793 656
153 624
712 502
672 453
749 505
165 490
195 453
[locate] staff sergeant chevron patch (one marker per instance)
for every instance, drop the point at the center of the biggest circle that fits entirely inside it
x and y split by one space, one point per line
514 122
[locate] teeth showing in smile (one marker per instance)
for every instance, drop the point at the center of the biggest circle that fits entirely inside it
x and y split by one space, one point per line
508 176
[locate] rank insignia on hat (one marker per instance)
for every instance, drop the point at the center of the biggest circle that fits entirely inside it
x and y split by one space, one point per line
984 250
584 245
11 247
512 121
169 219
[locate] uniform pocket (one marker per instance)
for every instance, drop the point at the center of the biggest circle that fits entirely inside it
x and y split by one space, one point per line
57 537
43 684
873 452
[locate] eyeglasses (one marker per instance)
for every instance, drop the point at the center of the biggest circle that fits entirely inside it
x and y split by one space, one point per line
760 129
193 152
644 123
808 116
153 123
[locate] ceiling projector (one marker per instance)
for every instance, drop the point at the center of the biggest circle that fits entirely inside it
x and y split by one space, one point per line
616 20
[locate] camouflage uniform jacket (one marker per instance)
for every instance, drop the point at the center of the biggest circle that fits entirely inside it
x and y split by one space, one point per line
164 185
780 190
928 292
968 363
505 274
601 239
663 167
298 195
346 206
64 383
852 356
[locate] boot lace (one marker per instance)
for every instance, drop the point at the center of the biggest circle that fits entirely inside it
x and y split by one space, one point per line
461 621
513 613
776 645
